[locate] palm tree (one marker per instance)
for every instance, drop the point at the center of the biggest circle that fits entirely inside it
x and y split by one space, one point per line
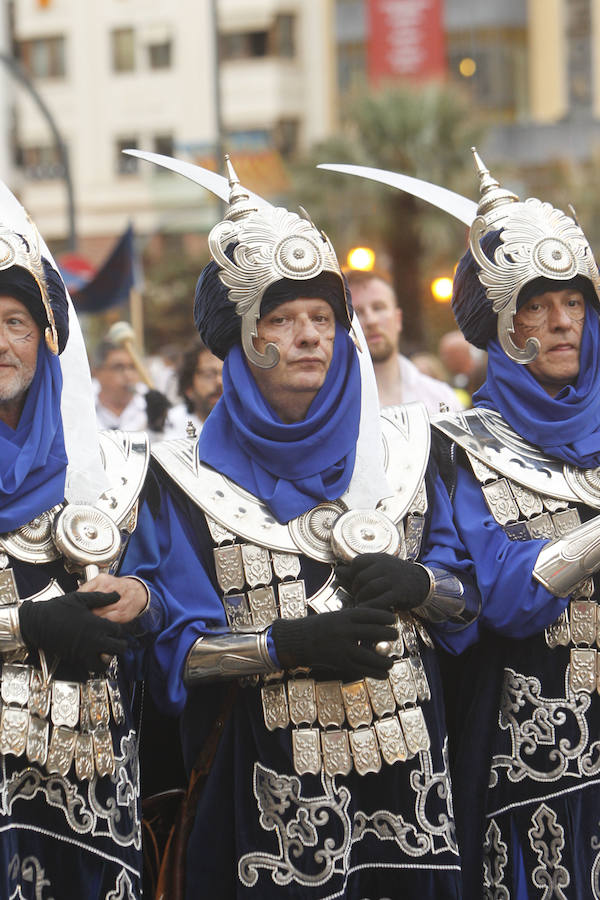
421 131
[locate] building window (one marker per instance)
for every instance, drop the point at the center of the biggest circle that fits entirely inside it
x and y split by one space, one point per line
126 165
580 52
244 45
352 66
164 144
285 136
278 40
44 57
123 50
159 55
41 163
283 36
497 82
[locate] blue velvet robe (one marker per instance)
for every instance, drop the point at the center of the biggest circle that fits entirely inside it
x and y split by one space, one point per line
60 837
262 831
526 750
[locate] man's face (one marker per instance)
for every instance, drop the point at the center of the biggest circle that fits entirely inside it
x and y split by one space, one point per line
303 331
207 383
19 342
380 318
556 319
117 377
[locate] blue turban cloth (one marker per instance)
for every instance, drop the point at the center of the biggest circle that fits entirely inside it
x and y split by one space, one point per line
566 426
220 326
33 460
473 310
291 468
19 283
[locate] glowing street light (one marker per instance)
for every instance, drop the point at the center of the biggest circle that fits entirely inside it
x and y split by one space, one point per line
467 67
441 289
362 258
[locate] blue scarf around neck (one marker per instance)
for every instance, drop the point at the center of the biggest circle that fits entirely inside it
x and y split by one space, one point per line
33 460
293 467
566 426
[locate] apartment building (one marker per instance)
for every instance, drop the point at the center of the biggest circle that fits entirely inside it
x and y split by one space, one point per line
533 65
127 73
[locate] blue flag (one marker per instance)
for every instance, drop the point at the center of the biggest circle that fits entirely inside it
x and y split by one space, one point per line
113 281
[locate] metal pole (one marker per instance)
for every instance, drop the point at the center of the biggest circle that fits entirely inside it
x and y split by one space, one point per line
6 155
218 104
19 73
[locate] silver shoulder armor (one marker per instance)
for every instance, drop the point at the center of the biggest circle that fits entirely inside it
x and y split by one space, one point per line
491 443
562 564
223 500
125 457
406 439
224 655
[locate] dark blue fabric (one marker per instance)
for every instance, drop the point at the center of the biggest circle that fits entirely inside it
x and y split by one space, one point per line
566 426
240 788
500 565
290 467
61 837
34 460
472 309
19 283
219 324
112 283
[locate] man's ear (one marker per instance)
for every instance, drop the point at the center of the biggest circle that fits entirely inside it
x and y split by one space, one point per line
399 319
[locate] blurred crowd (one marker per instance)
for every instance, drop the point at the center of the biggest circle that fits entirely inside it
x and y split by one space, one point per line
166 394
170 393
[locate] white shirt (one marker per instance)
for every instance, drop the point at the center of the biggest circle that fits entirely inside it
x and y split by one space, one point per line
133 417
177 420
417 386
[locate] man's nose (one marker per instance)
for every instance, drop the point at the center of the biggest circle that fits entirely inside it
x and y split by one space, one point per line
559 317
307 332
3 339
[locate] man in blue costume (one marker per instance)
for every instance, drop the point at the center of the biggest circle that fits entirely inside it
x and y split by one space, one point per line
69 818
527 783
322 707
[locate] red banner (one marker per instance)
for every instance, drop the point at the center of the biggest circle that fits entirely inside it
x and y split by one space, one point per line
406 39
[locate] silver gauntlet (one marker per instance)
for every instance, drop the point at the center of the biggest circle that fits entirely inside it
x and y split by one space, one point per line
228 655
10 631
563 563
445 599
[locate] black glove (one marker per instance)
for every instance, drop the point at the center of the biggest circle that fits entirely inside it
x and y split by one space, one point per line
66 627
382 581
338 641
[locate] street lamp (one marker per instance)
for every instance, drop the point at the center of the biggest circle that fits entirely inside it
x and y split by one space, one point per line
441 289
362 258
